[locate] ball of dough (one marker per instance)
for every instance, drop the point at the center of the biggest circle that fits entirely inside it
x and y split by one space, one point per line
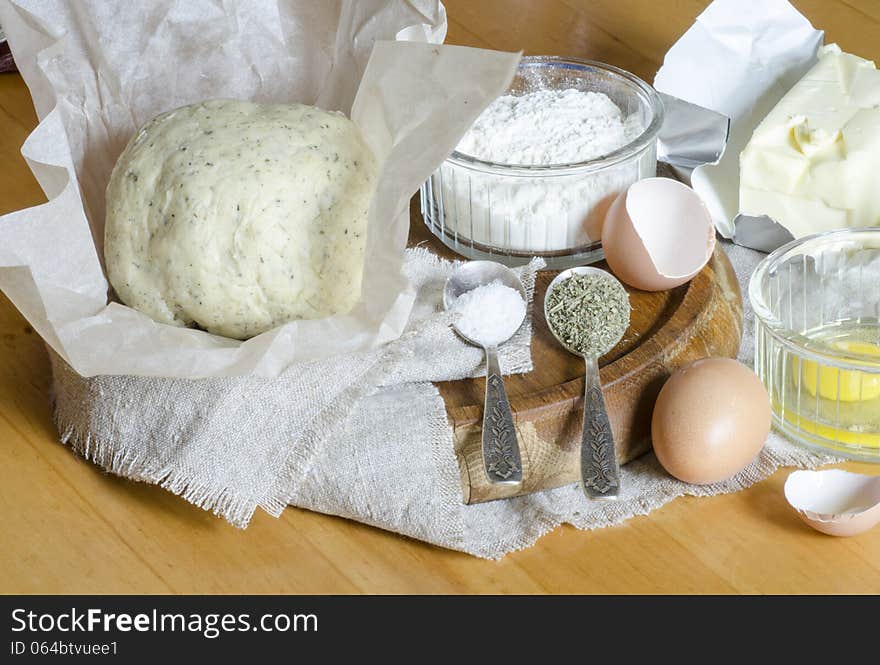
238 217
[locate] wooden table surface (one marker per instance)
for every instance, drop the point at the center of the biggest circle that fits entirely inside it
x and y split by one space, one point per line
67 527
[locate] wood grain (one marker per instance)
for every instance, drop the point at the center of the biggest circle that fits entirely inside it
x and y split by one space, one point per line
67 527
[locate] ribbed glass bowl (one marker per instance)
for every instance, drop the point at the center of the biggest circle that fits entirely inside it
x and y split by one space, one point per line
509 212
817 340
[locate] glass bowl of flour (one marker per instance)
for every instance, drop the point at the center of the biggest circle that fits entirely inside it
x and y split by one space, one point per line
536 173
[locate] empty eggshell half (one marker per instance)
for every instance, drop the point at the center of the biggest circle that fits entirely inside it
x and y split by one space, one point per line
834 501
657 234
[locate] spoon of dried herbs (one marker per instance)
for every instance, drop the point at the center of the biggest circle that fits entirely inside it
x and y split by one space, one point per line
587 311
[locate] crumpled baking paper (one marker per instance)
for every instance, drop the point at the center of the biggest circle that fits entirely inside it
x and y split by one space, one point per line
739 59
98 69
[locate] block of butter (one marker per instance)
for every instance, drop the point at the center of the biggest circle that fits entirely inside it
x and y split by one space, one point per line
813 163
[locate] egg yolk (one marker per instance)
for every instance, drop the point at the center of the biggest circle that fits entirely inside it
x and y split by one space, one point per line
846 385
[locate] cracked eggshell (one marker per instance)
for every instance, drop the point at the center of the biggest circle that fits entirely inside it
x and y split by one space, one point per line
833 501
658 234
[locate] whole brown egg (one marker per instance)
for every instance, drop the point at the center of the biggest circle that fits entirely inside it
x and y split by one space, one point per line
710 420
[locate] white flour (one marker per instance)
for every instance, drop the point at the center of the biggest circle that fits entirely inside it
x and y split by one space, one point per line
547 127
541 212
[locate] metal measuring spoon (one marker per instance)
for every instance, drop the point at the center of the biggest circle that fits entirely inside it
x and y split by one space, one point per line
501 456
600 472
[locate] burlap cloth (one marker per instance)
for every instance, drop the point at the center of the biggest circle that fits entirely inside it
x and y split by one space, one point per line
362 436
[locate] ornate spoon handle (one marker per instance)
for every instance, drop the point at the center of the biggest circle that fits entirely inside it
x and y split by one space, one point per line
600 474
501 457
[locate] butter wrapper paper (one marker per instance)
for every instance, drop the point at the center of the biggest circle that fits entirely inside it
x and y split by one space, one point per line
739 59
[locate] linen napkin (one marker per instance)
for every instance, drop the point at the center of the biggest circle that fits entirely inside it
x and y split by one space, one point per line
232 444
364 436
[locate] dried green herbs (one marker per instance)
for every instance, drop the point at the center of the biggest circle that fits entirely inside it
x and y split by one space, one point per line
589 312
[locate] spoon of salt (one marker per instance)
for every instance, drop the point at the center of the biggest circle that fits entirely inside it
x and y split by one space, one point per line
587 310
488 301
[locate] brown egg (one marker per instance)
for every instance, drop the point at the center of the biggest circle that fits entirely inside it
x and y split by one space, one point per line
710 420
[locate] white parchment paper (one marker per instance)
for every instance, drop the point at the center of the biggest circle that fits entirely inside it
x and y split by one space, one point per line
98 69
739 58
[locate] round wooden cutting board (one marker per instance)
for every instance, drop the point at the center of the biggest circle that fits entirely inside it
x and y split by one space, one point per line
667 330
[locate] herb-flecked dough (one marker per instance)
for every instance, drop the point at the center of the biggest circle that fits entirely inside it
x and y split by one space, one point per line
238 217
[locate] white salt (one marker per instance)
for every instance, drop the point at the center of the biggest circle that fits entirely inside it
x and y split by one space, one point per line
489 314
